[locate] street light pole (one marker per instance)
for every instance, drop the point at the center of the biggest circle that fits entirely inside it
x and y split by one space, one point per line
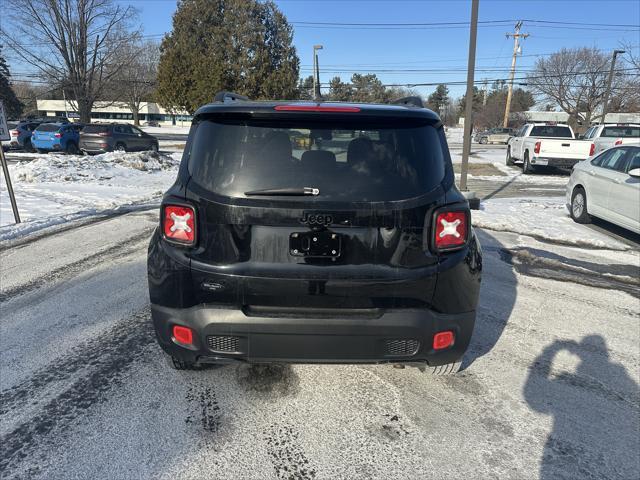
605 100
316 72
468 111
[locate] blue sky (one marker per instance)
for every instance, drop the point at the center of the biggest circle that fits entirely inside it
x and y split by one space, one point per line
397 49
376 50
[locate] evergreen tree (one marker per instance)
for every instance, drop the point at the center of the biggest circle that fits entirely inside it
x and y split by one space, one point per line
12 106
340 91
305 88
439 99
243 46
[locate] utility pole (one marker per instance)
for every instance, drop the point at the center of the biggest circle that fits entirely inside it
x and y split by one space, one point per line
468 111
605 100
316 73
485 90
516 49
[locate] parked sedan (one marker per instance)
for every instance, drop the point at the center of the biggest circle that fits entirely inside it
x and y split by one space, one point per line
107 137
58 137
607 186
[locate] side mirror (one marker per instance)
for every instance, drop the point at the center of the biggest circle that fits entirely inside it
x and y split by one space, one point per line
634 172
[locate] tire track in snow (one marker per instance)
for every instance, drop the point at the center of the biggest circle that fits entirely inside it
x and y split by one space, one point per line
107 358
288 456
72 269
92 218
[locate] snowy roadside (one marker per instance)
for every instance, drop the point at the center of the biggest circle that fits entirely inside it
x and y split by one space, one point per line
54 189
540 218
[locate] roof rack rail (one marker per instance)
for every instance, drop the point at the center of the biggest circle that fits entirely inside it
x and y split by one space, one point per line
409 102
225 97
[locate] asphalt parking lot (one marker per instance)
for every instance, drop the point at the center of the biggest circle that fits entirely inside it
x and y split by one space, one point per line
549 390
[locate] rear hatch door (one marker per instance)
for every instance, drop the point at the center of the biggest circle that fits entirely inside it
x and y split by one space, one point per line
300 211
93 137
44 135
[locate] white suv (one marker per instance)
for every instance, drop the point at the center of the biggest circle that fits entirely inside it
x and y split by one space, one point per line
607 186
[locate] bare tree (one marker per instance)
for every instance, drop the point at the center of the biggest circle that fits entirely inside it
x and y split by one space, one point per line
71 42
575 80
136 80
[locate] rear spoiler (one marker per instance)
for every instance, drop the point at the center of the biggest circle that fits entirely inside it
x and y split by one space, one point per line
409 102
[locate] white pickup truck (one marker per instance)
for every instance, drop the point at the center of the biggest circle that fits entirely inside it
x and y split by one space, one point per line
543 144
609 135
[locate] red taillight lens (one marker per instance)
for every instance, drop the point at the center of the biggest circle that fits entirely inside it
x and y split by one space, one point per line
58 135
183 335
451 229
536 148
315 108
592 150
443 340
618 142
179 224
14 133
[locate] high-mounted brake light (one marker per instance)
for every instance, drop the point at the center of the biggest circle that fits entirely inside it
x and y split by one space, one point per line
179 224
536 148
592 150
618 142
451 230
315 108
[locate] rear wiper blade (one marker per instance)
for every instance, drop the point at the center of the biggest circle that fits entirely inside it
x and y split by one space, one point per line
285 191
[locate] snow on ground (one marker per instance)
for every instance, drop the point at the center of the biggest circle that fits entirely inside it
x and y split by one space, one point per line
53 189
542 218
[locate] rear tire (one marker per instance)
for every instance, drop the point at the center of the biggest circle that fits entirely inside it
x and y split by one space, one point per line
120 147
578 208
177 364
40 150
448 369
526 164
28 147
483 140
509 157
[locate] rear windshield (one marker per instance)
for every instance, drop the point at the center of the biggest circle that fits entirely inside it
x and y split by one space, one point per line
551 131
621 132
48 127
351 162
95 128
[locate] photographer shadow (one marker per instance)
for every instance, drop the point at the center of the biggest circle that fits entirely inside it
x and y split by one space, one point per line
596 417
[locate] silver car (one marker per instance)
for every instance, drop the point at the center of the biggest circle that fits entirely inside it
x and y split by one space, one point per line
607 186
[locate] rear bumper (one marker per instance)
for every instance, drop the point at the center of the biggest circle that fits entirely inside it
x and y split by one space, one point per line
403 335
555 162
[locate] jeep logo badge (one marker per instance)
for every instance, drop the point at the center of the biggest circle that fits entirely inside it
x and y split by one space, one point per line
323 219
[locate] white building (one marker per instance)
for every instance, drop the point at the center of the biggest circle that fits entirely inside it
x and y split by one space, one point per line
114 112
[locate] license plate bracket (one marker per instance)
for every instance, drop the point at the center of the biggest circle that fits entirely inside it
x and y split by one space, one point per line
319 244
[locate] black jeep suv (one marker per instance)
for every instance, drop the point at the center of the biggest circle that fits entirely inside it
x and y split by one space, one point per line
314 232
